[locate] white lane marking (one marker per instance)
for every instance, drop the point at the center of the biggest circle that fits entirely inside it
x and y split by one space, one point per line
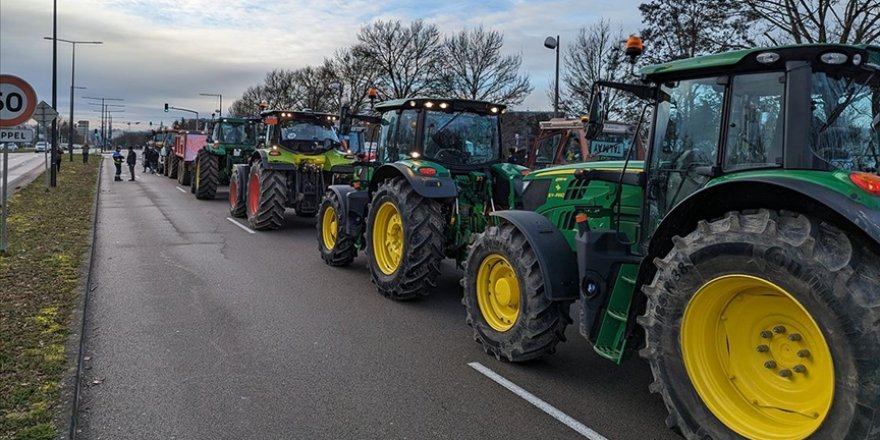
180 189
540 404
249 230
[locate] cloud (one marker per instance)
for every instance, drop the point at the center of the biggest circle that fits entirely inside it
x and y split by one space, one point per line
158 51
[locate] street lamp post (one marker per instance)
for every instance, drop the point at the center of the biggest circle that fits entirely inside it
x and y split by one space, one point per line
167 107
103 111
72 84
218 95
553 43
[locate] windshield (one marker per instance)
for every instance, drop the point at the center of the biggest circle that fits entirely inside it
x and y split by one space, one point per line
845 114
235 133
461 138
307 136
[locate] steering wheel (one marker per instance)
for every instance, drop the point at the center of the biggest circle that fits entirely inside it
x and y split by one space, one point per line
452 153
682 173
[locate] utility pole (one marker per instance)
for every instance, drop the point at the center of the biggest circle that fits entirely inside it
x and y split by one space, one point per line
104 110
52 173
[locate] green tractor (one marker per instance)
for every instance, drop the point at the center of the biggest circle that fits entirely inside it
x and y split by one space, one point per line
744 247
299 157
231 142
437 176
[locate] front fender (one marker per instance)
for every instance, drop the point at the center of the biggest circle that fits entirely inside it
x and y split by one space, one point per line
555 257
262 157
431 187
827 196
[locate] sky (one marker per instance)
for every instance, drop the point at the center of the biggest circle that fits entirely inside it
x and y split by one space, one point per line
158 51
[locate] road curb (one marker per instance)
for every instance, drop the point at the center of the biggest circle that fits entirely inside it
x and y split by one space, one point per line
67 414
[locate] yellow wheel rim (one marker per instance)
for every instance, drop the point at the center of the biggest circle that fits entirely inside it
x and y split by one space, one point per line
498 292
198 173
757 358
328 228
388 238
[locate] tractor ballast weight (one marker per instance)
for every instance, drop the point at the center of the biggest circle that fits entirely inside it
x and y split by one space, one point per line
745 247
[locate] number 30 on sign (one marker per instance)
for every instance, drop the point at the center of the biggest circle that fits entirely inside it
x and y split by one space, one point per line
17 101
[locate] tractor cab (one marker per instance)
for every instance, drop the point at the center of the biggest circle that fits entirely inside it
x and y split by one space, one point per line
301 132
796 111
233 133
457 134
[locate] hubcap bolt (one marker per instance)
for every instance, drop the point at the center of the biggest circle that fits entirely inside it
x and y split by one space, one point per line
763 348
785 373
779 329
770 364
766 334
803 353
799 368
794 337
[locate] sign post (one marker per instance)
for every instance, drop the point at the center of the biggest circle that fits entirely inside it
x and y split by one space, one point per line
17 103
44 115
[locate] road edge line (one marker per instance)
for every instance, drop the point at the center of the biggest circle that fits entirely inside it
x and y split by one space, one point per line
247 229
549 409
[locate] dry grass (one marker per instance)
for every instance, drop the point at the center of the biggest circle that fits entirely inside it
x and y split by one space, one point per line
39 279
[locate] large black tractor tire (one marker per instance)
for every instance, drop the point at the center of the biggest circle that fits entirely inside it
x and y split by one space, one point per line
172 167
507 309
207 176
417 235
337 248
773 313
184 174
237 196
266 194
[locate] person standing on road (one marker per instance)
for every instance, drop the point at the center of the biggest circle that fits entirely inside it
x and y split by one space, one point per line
85 151
154 160
117 160
132 161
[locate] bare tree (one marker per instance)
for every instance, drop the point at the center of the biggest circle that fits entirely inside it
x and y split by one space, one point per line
314 88
405 56
675 29
818 21
356 74
474 68
249 103
594 55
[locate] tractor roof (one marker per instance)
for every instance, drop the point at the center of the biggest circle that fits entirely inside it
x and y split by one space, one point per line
441 104
230 120
290 115
747 59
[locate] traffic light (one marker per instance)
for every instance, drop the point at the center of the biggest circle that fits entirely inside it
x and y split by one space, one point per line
166 107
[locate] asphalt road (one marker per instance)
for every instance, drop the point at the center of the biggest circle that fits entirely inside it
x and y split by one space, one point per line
198 329
22 166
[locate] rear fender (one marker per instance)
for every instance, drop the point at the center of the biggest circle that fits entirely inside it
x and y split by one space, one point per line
555 257
429 187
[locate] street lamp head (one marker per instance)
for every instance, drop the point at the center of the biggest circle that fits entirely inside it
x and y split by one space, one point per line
551 43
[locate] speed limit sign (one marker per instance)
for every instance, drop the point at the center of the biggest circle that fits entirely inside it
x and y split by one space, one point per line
17 101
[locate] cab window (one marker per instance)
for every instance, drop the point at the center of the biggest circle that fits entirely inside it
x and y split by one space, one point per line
755 124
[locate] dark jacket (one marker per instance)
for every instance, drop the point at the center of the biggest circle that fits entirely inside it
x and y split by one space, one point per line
132 158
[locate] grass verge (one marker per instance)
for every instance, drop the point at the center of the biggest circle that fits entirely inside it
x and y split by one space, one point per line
39 287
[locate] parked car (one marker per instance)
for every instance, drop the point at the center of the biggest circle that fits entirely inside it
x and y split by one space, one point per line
41 146
11 145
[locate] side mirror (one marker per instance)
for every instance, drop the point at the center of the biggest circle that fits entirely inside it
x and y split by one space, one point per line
594 126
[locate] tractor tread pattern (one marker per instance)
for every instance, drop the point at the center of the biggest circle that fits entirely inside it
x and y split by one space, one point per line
541 323
345 250
423 223
273 190
807 246
208 175
239 210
